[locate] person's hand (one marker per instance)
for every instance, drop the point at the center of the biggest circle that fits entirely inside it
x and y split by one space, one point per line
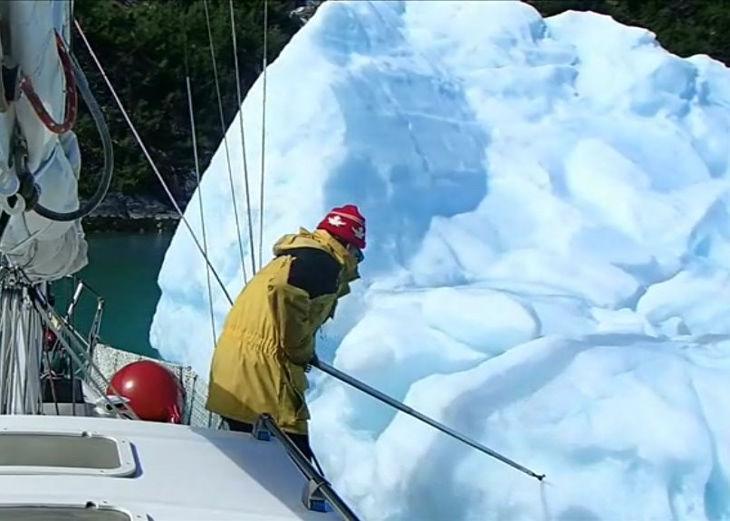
312 362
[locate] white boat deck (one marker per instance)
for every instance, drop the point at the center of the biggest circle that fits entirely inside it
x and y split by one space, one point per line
182 473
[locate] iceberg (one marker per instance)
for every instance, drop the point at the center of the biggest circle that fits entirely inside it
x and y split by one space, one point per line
548 260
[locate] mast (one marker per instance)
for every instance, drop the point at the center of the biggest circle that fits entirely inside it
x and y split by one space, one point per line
41 238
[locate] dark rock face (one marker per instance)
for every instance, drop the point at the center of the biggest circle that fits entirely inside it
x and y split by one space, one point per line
305 10
119 212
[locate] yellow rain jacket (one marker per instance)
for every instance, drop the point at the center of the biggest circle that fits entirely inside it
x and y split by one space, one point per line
268 339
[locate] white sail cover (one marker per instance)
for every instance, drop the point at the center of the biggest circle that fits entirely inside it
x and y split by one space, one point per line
45 249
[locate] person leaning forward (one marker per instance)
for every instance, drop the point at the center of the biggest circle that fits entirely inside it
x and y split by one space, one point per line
268 340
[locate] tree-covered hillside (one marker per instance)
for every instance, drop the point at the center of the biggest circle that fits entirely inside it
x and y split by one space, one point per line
684 27
148 47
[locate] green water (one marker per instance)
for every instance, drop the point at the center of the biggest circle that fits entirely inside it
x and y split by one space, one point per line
123 269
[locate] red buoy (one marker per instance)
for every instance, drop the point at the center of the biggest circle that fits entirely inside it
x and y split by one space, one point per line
153 391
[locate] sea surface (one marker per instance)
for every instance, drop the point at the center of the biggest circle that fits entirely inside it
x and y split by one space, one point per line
122 270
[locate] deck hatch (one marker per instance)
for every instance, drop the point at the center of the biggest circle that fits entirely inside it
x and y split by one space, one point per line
50 513
65 453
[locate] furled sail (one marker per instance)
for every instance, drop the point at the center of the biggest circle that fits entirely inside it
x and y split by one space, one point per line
39 154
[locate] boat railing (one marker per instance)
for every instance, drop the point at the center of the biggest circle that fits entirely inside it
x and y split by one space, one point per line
317 491
82 288
77 348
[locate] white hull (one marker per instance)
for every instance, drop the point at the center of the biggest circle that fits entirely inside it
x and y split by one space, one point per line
181 473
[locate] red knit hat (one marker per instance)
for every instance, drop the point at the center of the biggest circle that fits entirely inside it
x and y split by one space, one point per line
346 223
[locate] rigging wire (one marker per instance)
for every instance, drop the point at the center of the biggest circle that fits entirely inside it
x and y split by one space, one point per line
243 138
263 136
200 196
146 153
225 139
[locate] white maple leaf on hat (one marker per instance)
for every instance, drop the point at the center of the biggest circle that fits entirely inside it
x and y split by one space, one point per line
359 232
336 220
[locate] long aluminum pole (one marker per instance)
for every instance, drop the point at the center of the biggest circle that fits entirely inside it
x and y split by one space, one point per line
344 377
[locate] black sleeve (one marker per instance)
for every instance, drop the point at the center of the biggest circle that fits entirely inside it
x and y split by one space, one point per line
315 271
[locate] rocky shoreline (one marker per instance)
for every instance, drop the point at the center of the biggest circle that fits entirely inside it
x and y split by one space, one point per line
143 214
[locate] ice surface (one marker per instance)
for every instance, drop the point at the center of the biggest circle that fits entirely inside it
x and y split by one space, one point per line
548 256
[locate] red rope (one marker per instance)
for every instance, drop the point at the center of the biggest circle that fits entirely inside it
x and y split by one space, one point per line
71 95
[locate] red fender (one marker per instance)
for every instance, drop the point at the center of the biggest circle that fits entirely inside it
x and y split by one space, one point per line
153 392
